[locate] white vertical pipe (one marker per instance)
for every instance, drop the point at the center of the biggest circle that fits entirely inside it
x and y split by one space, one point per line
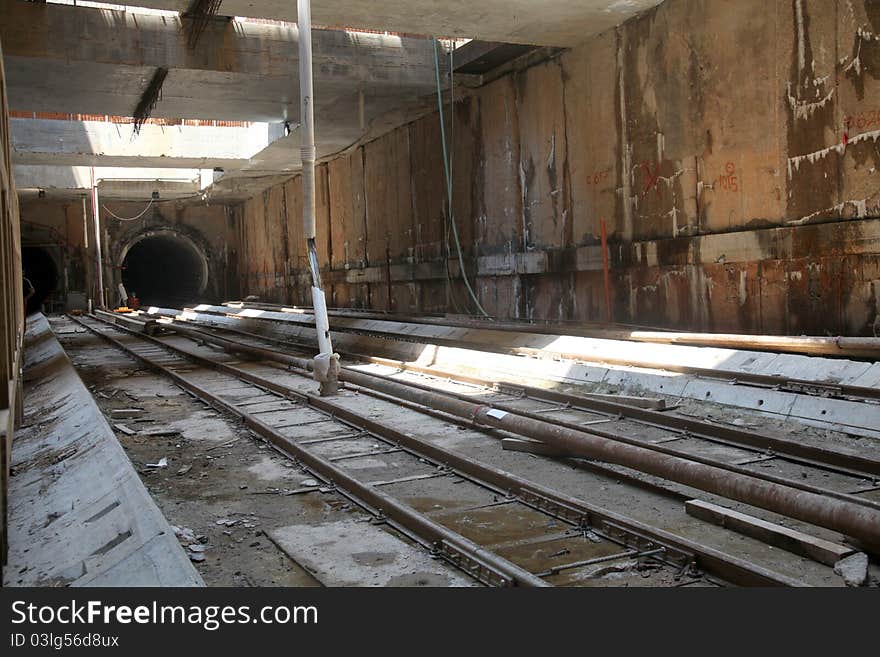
307 118
307 149
96 211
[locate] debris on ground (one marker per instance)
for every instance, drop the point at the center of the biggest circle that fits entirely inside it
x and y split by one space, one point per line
853 569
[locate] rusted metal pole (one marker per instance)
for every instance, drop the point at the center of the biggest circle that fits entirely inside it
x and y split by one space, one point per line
609 313
326 365
390 297
85 226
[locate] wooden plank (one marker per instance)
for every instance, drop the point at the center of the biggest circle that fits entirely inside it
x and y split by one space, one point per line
388 198
787 539
543 164
346 190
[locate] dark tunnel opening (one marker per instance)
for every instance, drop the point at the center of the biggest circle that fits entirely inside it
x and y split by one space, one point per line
39 267
163 270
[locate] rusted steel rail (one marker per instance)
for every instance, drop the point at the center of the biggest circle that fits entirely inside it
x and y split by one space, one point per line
485 565
627 531
856 520
853 519
847 462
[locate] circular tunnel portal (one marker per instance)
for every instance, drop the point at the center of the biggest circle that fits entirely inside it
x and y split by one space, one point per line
39 267
165 269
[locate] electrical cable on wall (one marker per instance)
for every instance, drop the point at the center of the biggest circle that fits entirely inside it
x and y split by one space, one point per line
116 216
446 168
450 286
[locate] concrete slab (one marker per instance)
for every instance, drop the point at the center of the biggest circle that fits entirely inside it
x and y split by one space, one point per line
79 514
552 22
382 560
839 415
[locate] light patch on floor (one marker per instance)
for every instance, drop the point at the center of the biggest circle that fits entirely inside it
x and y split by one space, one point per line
381 559
147 387
203 425
269 469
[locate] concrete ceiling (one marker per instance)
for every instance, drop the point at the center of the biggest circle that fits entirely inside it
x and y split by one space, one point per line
536 22
82 60
61 58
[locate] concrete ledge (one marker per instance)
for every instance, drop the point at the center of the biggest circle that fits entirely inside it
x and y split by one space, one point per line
483 349
79 515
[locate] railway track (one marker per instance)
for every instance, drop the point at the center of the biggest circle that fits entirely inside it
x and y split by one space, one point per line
844 473
835 504
529 534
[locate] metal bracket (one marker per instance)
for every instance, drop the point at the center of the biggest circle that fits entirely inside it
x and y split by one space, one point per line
475 568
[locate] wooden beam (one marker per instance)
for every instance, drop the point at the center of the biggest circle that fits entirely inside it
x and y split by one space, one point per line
787 539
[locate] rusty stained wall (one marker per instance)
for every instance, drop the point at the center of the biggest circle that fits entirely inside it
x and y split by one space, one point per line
756 118
58 224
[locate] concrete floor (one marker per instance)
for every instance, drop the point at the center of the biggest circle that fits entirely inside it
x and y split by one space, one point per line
227 493
216 472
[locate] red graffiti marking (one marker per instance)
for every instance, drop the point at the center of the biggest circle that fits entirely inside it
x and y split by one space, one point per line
728 180
863 120
597 177
653 179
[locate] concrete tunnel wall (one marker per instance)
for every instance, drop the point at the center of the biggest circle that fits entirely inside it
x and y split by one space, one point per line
733 202
210 231
164 267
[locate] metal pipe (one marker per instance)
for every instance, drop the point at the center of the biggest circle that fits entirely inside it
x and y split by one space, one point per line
816 508
850 519
853 463
856 463
96 211
326 362
855 347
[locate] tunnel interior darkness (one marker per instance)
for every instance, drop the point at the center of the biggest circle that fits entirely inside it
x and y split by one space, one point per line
164 270
39 268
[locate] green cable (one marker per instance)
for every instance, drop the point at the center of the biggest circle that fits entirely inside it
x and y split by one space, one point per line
449 185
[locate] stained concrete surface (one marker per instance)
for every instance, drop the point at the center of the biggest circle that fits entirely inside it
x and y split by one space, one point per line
550 22
659 504
79 515
352 553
